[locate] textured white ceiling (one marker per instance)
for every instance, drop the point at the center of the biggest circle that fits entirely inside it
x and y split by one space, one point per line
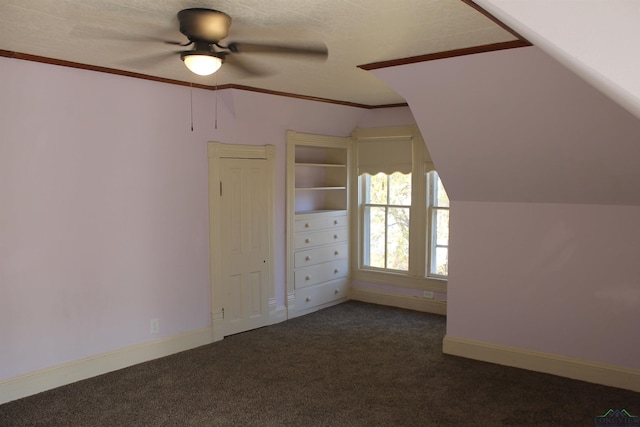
124 34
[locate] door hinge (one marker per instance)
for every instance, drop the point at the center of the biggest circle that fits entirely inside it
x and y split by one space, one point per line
220 188
223 312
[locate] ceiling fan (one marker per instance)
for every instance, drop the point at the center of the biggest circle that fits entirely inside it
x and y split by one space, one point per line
205 28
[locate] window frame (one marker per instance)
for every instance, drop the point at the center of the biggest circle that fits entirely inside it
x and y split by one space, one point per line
417 275
363 187
432 210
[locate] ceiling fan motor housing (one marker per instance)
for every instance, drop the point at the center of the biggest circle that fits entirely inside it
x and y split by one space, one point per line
204 25
205 28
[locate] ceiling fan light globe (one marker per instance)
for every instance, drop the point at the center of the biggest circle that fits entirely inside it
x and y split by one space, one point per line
203 65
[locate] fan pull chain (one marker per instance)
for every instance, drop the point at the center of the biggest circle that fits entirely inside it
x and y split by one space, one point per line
215 123
191 99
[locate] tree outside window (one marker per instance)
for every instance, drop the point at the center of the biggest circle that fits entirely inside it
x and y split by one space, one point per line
386 207
386 223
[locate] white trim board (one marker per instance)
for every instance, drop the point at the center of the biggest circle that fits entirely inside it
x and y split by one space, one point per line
276 314
593 372
67 373
401 301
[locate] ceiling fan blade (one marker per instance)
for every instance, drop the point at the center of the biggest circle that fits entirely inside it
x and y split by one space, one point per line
316 51
97 33
245 68
149 61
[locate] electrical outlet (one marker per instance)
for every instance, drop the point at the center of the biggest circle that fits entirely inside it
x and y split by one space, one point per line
155 326
427 294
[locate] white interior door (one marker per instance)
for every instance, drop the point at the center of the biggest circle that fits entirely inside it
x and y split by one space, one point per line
244 227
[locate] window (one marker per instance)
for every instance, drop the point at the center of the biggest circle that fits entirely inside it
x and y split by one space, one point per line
386 213
403 211
438 206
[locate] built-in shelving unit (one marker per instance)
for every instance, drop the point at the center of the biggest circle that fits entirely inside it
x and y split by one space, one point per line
317 221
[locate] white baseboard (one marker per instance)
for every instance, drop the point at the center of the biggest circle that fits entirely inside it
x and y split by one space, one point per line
217 326
319 307
291 305
598 373
402 301
277 314
46 379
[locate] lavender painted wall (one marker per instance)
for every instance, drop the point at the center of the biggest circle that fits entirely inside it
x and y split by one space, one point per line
104 204
103 216
555 278
524 127
386 117
544 178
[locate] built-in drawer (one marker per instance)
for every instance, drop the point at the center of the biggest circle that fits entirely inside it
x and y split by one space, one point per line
313 275
322 294
319 222
324 237
320 255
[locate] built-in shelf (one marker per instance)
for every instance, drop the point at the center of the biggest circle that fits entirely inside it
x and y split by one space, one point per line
319 188
317 211
318 272
322 165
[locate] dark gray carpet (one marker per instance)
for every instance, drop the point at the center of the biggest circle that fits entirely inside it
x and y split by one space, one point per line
354 364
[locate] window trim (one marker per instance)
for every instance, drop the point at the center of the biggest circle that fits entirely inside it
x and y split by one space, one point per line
364 184
417 276
432 211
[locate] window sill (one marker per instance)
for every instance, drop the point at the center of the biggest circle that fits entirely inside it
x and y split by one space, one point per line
401 280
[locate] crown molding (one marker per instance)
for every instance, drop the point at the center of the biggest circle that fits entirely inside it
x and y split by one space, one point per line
519 42
77 65
447 54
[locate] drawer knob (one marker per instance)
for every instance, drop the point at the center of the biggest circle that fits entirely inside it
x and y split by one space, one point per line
337 291
307 278
336 271
308 299
336 253
307 258
335 222
306 225
335 236
307 240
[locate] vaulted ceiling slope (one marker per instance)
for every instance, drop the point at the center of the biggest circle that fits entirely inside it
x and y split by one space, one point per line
591 37
128 36
517 126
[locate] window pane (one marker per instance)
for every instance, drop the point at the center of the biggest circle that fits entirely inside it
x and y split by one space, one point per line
387 229
398 239
441 264
438 203
443 199
400 189
437 193
441 230
375 249
378 189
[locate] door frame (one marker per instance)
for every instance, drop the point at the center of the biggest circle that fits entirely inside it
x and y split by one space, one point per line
215 152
